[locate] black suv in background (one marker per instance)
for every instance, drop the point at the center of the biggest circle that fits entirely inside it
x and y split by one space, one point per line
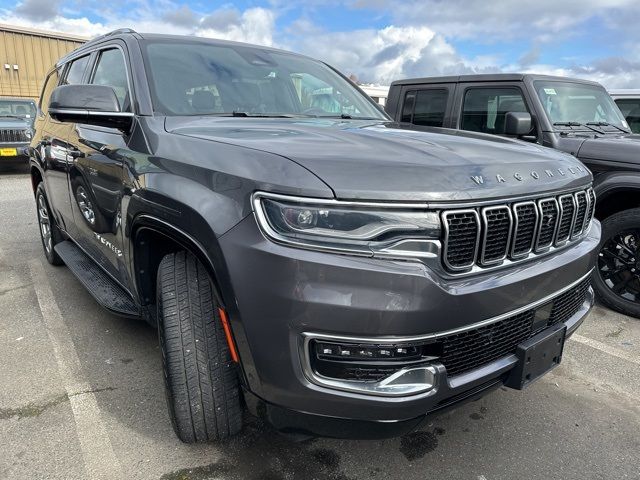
296 251
574 116
16 128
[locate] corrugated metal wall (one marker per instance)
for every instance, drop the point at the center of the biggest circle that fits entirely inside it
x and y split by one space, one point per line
25 59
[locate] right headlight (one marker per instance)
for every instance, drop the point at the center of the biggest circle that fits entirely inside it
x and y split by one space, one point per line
350 227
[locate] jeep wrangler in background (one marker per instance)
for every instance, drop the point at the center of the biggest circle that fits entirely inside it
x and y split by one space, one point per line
628 101
575 116
16 128
298 253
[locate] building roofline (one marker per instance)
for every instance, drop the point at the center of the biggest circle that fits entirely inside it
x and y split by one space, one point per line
43 33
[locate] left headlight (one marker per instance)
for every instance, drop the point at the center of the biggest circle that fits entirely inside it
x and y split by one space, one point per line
28 133
351 227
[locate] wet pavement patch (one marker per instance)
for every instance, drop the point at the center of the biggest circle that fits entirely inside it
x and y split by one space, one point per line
205 472
261 453
32 409
416 445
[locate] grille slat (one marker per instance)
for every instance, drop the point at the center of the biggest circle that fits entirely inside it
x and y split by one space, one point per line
12 135
567 214
473 348
526 222
513 230
548 209
496 228
581 211
462 229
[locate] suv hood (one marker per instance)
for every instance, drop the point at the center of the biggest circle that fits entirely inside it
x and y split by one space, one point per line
613 148
378 161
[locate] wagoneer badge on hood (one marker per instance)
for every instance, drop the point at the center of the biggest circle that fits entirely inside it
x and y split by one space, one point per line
479 179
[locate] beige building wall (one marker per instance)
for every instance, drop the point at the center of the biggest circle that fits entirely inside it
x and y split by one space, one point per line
26 55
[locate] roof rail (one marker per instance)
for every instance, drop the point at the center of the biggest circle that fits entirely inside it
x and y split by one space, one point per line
114 32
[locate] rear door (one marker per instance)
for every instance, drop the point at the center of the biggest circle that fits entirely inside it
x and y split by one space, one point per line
96 177
426 106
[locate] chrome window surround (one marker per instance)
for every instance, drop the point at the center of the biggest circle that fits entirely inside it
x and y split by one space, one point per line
515 229
485 227
409 389
445 242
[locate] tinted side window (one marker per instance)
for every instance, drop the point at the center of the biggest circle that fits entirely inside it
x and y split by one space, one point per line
484 109
76 71
430 107
630 108
111 71
49 84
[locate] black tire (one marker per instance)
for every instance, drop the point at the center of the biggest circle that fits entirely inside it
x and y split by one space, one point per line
202 388
46 221
617 277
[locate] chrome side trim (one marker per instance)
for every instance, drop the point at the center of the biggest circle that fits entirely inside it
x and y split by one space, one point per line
445 242
515 229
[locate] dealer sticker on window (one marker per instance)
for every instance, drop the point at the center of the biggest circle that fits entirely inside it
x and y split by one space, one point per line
550 91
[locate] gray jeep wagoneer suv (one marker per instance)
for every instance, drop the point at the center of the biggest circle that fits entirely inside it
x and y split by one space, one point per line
300 254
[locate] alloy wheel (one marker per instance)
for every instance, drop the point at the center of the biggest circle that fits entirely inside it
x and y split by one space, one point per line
619 264
45 223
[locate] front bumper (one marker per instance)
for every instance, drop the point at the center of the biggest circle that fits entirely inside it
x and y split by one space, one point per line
21 152
282 294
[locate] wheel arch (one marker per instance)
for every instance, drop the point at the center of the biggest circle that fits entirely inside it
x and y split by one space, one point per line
151 239
616 192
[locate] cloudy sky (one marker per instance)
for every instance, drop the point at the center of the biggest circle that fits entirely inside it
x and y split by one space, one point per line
382 40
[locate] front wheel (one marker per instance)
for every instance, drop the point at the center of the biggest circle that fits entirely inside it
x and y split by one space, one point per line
50 234
617 278
203 392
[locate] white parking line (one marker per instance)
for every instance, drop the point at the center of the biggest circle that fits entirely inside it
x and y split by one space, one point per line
603 347
97 451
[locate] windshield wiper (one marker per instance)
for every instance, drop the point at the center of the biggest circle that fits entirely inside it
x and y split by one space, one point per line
12 116
261 115
578 124
607 124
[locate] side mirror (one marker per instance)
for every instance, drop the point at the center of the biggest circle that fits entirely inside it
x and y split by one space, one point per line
517 123
89 105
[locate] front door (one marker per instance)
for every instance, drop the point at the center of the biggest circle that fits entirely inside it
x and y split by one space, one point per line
96 174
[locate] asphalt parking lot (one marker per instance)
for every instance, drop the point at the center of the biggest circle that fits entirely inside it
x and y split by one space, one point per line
81 396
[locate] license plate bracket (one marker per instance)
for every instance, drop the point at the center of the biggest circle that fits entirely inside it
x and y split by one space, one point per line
536 356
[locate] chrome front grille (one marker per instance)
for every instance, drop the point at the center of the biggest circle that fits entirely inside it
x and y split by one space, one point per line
488 236
12 136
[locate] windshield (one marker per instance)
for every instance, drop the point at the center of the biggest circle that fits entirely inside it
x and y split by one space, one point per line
17 108
196 78
567 102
